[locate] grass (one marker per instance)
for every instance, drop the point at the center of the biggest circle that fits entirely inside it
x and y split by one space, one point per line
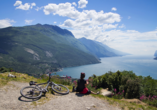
4 79
123 104
24 78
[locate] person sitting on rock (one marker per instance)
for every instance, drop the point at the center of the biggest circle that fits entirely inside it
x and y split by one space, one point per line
81 86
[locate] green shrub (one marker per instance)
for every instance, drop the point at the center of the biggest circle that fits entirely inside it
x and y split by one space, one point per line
4 69
128 81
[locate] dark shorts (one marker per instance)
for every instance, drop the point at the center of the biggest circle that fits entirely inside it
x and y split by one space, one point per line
89 92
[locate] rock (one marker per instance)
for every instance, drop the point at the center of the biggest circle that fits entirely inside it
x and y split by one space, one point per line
88 108
105 92
10 75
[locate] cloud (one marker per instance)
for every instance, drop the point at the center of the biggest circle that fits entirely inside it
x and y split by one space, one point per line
109 26
26 6
79 19
114 9
88 23
6 23
122 26
130 41
55 22
17 3
82 3
74 4
28 21
32 4
103 27
39 8
62 9
129 17
89 18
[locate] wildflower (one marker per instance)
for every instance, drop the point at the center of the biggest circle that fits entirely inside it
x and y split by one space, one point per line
123 91
115 90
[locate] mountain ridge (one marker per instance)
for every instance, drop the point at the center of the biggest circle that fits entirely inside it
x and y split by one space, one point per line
155 54
28 50
100 50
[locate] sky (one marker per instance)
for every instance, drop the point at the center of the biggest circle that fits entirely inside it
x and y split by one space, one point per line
126 25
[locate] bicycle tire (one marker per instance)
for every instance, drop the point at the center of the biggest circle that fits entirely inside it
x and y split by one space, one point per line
31 92
66 90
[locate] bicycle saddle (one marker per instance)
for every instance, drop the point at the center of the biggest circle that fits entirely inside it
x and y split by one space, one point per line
32 83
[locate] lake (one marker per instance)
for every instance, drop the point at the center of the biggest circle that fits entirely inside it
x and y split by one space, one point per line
140 65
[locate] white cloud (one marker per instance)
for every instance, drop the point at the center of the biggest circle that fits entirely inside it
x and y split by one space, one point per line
129 17
39 8
55 22
114 9
82 3
62 9
32 4
90 18
74 4
17 3
122 26
26 6
28 21
80 19
103 27
109 26
6 23
130 41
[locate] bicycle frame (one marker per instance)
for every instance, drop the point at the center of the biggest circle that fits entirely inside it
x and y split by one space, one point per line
49 83
37 90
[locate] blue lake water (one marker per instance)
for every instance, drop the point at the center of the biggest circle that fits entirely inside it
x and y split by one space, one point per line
140 65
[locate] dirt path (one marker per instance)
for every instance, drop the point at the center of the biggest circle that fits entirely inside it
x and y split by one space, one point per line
10 99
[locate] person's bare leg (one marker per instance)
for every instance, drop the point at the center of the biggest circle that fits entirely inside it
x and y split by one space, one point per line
93 92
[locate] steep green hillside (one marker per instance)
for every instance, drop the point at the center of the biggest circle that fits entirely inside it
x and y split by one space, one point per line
96 49
118 53
28 50
61 36
100 50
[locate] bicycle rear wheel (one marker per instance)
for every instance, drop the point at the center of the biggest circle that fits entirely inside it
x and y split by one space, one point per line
60 89
31 92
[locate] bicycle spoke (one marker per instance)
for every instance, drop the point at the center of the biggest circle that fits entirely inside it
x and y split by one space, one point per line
31 92
60 89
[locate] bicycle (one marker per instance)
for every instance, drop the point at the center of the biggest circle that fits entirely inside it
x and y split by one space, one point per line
34 92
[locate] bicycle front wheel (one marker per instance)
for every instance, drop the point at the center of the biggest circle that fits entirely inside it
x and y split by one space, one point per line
31 92
60 89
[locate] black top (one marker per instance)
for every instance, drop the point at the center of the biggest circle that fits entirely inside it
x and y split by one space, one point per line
80 85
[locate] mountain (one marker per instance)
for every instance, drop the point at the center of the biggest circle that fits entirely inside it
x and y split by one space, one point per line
155 55
119 53
100 50
61 36
39 49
